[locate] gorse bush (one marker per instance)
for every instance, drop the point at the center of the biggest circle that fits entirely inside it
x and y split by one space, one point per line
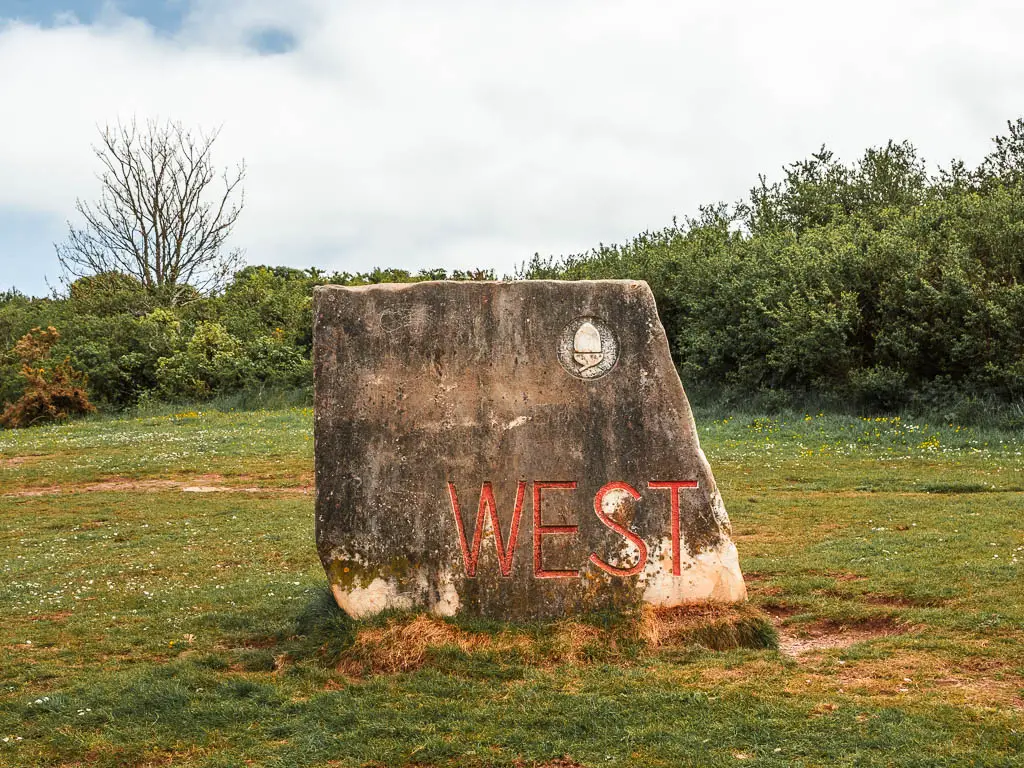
875 284
53 391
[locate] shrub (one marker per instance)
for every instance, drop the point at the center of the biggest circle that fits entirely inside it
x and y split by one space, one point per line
210 363
108 293
215 362
53 391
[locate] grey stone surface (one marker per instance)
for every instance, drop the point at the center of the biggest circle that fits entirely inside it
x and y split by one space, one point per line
551 408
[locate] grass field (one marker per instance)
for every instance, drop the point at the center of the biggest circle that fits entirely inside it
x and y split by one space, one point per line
162 604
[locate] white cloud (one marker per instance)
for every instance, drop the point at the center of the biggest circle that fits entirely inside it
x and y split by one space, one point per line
474 133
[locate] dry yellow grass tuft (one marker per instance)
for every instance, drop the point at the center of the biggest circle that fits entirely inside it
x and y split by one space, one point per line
713 625
404 644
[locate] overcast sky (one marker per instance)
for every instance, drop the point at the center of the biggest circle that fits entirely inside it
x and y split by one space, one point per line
474 133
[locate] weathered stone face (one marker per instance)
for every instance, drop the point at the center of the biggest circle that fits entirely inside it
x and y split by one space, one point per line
517 450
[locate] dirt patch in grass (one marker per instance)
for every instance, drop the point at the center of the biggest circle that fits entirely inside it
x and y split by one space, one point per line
839 576
122 484
888 600
828 634
917 674
903 601
193 484
17 461
48 490
305 489
982 664
778 609
983 691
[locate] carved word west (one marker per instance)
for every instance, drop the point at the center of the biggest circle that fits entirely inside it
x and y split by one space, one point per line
488 508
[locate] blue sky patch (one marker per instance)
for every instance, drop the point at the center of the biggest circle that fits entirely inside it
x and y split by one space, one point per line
163 15
271 41
27 256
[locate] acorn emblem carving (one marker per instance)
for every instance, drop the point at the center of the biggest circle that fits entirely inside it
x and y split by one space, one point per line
586 347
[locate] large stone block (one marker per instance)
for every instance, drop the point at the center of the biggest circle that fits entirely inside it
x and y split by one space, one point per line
511 449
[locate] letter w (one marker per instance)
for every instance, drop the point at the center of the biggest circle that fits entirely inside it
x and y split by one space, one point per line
487 504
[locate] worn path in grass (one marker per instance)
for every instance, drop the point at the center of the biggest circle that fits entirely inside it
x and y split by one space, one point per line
163 605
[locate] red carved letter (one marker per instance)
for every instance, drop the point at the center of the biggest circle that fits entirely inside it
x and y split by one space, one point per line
635 540
674 486
540 529
487 504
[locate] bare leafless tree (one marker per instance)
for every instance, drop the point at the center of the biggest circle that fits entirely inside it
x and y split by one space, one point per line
164 212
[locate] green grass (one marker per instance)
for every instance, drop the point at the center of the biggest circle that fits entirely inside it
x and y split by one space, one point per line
143 625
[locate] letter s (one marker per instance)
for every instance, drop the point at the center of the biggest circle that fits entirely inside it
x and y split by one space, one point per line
633 538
